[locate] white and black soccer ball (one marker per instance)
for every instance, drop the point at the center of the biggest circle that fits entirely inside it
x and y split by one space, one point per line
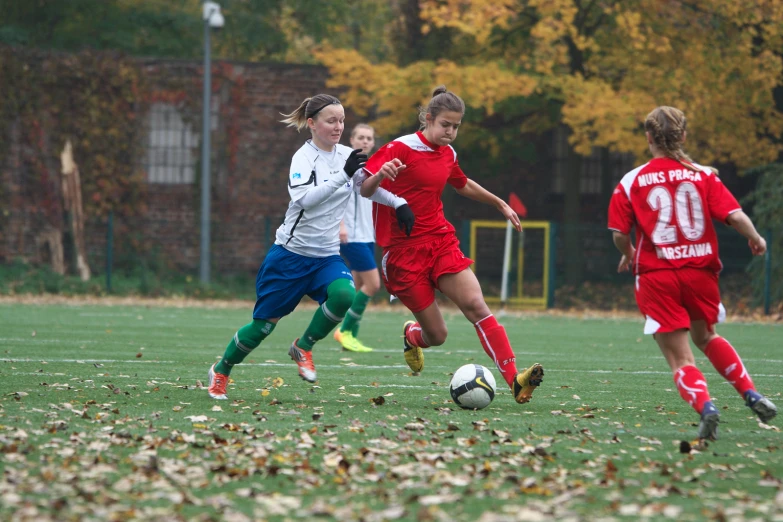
472 387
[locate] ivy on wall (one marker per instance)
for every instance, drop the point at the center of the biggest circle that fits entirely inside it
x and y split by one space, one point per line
99 101
91 99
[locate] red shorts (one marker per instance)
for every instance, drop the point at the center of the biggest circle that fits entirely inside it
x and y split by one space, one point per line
411 272
670 299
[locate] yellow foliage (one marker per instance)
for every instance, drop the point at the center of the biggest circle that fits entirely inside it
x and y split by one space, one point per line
397 92
477 18
606 64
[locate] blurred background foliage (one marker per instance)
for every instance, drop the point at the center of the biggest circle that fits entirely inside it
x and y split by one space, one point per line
524 67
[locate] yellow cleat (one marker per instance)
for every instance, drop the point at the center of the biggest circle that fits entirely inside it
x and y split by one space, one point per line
359 346
349 342
527 381
414 355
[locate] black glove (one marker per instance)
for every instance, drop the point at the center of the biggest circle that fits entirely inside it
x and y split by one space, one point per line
355 161
405 218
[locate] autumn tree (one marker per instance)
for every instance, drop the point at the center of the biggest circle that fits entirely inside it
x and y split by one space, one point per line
261 30
596 66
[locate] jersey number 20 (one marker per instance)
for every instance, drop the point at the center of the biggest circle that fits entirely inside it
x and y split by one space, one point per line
687 207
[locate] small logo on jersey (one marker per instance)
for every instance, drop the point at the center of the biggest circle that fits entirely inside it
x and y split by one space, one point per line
334 172
390 145
297 175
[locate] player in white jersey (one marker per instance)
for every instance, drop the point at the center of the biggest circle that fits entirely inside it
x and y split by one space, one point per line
305 257
357 246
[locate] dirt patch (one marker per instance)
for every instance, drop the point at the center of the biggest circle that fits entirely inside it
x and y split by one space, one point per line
170 302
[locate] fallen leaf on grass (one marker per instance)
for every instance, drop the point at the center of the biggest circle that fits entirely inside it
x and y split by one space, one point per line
431 500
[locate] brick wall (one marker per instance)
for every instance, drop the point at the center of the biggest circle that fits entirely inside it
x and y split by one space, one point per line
251 154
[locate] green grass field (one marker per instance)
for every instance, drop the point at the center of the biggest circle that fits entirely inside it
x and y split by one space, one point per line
103 417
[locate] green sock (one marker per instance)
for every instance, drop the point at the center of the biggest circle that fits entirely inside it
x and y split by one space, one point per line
340 295
355 312
244 341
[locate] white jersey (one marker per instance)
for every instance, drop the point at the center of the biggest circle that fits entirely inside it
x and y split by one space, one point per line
358 220
315 231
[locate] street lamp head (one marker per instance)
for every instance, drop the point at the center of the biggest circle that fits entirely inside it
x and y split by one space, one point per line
212 15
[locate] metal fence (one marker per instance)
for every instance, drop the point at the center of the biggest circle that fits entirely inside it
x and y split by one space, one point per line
124 260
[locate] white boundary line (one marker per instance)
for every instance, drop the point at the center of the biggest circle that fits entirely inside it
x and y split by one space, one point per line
343 366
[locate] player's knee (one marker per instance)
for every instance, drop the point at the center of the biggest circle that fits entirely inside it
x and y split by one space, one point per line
340 296
702 339
253 333
371 287
475 308
436 336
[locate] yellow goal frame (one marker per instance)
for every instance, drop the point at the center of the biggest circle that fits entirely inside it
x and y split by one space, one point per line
518 299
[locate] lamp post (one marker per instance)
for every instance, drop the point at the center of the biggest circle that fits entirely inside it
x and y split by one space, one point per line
213 19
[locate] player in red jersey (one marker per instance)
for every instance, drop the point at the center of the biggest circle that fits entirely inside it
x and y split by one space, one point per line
671 201
416 261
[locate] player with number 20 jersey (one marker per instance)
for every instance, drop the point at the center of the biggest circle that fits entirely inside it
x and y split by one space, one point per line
673 208
672 202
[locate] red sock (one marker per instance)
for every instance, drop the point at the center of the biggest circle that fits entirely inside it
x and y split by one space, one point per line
725 359
692 387
415 336
495 342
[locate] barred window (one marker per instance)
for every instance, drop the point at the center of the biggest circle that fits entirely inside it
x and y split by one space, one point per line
172 146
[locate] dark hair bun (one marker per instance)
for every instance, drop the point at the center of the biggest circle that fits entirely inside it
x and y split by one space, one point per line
440 89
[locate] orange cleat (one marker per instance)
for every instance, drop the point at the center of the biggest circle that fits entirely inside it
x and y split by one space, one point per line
304 360
217 384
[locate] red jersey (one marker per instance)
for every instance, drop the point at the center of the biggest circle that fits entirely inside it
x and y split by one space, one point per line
672 208
428 168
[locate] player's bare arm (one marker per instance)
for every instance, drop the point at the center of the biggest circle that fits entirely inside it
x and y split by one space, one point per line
476 192
624 245
389 170
742 224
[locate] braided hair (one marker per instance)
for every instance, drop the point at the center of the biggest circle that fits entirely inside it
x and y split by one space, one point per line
667 126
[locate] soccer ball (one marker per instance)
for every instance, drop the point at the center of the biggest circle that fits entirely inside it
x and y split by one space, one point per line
472 387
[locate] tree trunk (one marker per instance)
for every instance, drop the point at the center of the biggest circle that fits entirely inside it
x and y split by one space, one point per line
72 196
607 187
572 237
412 38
